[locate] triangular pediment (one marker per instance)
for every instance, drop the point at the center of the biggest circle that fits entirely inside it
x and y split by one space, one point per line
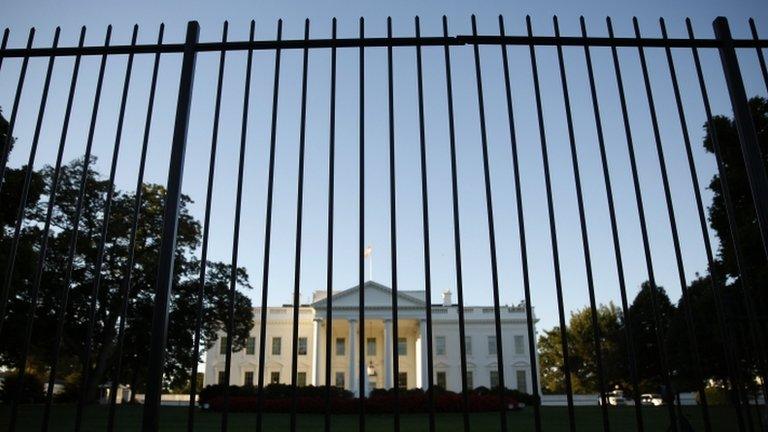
376 295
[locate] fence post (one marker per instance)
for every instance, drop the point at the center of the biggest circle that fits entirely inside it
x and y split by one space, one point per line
750 148
170 225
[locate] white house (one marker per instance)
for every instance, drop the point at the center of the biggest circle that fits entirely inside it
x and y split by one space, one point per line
482 367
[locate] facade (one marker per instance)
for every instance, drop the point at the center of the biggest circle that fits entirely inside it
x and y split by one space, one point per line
482 367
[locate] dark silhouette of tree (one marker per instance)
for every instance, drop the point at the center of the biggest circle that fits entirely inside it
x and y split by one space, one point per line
737 291
183 310
646 320
746 224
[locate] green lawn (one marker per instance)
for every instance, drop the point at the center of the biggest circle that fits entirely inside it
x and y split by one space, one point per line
554 419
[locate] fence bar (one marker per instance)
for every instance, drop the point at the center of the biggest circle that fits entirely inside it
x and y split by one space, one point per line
49 213
456 232
230 324
584 234
86 371
750 148
165 276
643 228
425 228
458 40
329 269
6 150
690 324
17 234
126 284
3 44
719 311
72 248
745 283
552 234
361 241
206 233
268 232
393 225
614 236
521 233
299 220
491 234
759 52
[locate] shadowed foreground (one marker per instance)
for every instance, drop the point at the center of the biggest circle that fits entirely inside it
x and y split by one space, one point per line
554 419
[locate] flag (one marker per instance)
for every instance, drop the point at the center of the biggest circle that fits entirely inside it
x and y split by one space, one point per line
368 251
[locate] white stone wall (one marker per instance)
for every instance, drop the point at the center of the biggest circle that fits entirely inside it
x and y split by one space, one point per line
278 325
479 325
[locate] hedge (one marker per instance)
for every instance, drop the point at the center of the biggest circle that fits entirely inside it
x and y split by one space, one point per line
279 398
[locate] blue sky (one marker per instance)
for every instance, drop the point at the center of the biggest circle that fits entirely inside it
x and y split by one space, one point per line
45 15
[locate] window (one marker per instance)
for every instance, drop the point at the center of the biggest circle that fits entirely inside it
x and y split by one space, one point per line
442 380
302 346
494 379
402 380
440 346
519 347
470 381
250 346
277 345
491 345
248 379
370 346
340 346
339 380
522 380
402 346
468 344
222 378
301 379
274 377
223 345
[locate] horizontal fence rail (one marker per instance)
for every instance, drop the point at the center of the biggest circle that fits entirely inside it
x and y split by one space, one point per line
105 287
383 42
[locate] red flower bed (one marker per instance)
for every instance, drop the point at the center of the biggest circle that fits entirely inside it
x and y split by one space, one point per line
376 404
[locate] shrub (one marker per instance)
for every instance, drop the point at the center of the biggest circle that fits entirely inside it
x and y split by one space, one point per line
28 391
271 392
279 398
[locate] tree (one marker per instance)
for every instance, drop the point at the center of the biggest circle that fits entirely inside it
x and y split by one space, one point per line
183 309
747 289
581 347
551 361
650 311
701 301
754 260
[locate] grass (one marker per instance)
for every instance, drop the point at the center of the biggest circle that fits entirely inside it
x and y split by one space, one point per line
553 419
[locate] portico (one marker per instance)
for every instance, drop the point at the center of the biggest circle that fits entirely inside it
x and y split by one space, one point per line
378 331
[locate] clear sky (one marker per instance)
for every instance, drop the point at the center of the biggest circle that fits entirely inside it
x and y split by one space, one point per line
70 15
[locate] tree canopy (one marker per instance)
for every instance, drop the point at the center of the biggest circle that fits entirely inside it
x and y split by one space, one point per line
654 318
183 308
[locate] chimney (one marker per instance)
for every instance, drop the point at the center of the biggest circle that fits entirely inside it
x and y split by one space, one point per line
447 298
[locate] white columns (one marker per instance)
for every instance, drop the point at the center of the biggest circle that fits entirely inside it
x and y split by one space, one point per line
352 366
388 354
315 351
421 356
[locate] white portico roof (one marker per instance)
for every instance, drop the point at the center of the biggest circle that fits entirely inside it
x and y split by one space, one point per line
377 297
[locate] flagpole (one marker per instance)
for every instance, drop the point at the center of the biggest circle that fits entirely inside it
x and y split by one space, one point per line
369 255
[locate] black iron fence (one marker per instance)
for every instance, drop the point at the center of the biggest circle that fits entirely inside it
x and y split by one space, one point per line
743 369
